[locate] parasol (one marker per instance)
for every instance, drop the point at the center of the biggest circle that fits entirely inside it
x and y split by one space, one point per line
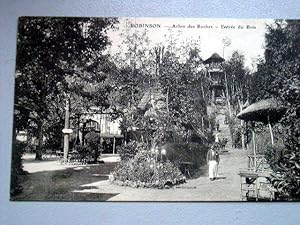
267 111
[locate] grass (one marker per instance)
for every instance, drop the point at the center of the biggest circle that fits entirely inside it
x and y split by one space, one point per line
59 185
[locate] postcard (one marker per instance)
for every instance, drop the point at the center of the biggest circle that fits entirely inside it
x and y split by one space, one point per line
156 109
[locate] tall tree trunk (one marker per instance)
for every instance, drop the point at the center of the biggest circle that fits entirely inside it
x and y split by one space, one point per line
39 150
242 125
227 96
203 93
167 103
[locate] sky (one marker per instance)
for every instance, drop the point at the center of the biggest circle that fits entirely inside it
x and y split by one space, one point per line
244 35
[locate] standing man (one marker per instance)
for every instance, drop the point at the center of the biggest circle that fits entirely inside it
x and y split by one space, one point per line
216 139
213 160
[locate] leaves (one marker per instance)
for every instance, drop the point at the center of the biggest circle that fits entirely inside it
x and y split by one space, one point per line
57 56
280 78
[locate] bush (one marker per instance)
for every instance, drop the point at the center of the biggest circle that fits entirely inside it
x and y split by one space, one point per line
83 153
143 171
92 149
286 165
92 145
187 152
273 155
129 150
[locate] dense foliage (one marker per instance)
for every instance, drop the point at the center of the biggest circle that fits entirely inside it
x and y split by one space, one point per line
129 150
287 166
179 107
279 76
57 59
56 56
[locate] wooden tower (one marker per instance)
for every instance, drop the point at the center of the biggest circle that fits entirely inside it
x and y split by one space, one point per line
216 74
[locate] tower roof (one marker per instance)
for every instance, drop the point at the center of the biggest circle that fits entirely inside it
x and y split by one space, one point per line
214 58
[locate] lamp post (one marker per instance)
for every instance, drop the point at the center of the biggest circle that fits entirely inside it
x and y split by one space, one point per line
226 42
163 152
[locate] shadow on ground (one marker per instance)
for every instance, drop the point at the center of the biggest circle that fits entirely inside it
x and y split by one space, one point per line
201 172
59 185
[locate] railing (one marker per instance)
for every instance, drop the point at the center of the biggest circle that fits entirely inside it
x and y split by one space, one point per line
255 180
214 69
258 163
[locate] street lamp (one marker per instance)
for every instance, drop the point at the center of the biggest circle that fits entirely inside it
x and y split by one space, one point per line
163 152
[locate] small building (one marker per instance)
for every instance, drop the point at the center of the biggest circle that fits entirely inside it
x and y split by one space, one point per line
102 123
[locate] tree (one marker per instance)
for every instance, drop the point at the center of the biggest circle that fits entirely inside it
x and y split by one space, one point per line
180 82
281 73
130 78
162 69
52 52
238 78
238 84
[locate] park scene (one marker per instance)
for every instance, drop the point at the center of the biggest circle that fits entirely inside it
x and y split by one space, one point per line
156 109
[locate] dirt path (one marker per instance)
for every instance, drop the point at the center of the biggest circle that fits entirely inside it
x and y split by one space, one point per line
226 188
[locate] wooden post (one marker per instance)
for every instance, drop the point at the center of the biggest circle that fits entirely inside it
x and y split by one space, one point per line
271 130
242 134
78 130
254 147
114 145
242 125
247 140
66 135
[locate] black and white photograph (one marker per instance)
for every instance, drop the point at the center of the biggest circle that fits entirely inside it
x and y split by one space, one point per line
156 109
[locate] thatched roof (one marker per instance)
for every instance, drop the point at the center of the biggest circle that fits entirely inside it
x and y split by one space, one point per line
260 111
214 58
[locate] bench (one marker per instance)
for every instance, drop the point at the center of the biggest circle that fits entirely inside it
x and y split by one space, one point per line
253 187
